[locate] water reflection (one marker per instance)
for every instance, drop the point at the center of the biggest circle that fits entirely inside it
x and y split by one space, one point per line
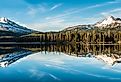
11 55
109 54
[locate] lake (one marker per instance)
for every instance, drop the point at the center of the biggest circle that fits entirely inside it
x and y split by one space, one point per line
60 63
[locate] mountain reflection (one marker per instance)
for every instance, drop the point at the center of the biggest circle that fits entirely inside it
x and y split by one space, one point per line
9 55
109 54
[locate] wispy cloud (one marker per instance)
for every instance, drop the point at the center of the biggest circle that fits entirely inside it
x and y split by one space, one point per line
33 10
59 21
77 10
54 25
55 6
41 8
115 11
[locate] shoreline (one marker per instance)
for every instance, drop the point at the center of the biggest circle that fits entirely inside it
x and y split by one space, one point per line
44 43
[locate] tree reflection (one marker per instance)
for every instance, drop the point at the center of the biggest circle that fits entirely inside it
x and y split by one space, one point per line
110 54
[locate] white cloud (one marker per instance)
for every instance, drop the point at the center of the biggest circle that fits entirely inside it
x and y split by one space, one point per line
59 21
115 12
55 6
49 25
33 10
77 10
41 8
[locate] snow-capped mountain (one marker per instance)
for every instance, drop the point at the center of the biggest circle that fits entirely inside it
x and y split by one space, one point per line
109 22
8 25
7 59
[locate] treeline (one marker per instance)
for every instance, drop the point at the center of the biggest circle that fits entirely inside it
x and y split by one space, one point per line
94 36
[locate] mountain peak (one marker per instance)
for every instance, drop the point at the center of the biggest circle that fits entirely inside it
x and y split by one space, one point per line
8 25
3 20
109 20
110 17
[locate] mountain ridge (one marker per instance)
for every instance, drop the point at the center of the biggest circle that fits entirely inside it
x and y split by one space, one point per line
108 23
8 25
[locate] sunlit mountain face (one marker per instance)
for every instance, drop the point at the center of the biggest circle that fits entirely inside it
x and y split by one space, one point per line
49 62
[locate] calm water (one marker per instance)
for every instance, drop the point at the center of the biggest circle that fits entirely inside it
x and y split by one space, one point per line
60 64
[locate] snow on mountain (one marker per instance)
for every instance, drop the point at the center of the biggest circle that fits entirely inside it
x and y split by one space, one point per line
108 21
3 20
80 27
8 25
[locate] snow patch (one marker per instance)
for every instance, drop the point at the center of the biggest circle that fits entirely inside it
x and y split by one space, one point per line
3 20
109 20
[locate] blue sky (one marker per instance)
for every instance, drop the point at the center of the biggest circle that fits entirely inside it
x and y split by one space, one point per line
54 15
